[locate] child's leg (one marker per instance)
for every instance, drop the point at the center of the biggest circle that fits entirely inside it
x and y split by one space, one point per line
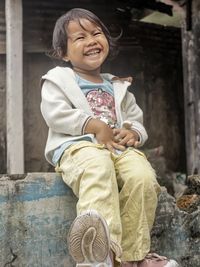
138 201
89 170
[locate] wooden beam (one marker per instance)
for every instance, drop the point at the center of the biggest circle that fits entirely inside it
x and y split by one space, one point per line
14 93
191 61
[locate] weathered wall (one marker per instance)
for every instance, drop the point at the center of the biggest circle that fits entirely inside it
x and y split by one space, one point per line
35 131
35 215
191 60
36 211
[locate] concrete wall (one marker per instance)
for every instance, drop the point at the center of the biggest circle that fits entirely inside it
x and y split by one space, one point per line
36 211
35 131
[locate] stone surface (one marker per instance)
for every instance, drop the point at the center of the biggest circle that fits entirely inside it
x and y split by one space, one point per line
35 214
37 209
176 233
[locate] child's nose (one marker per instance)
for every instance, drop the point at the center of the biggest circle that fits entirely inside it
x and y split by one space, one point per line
91 40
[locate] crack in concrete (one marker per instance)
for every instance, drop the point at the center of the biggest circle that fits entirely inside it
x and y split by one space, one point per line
13 259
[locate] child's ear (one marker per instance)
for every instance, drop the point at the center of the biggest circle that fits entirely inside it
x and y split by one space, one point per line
65 58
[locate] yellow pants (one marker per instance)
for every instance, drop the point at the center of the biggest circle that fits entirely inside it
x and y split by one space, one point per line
122 188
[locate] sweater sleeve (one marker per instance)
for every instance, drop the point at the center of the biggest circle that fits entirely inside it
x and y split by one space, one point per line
59 113
133 117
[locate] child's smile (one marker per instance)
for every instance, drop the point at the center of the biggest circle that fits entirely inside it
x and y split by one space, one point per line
87 46
93 52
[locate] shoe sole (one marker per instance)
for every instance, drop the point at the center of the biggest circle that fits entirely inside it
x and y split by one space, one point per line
88 240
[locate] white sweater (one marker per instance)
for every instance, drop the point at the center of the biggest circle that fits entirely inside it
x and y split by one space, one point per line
66 110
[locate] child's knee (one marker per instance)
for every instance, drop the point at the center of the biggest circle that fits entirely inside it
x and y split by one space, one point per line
142 176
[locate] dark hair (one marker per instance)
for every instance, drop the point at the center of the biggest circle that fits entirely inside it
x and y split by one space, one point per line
59 41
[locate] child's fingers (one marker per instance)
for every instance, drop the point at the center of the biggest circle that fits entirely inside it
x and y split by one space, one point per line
124 141
131 142
119 147
136 144
116 131
110 148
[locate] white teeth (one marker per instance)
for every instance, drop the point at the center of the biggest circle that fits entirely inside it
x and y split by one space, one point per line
93 52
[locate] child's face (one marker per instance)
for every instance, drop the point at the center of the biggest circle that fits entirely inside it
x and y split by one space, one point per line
87 46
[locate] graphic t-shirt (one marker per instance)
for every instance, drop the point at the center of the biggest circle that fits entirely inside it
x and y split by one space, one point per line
100 97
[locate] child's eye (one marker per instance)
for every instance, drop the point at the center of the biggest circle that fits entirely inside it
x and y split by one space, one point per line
79 38
97 33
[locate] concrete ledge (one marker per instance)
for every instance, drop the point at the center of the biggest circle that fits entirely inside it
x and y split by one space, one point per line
35 214
36 211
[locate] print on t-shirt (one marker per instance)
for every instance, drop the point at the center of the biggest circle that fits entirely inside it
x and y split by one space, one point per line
103 105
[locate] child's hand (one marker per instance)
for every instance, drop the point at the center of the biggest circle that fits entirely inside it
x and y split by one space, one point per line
126 137
104 134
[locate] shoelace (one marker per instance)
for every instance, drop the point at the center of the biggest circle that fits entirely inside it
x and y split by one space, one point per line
155 256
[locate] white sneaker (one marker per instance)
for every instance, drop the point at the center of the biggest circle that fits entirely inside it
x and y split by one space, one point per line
89 241
155 260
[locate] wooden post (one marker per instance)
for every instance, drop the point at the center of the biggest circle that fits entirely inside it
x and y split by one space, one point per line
14 93
191 63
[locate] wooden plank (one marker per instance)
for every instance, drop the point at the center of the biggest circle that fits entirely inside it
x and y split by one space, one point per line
14 93
191 61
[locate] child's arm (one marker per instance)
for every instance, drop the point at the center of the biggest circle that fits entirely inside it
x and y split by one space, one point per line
58 112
